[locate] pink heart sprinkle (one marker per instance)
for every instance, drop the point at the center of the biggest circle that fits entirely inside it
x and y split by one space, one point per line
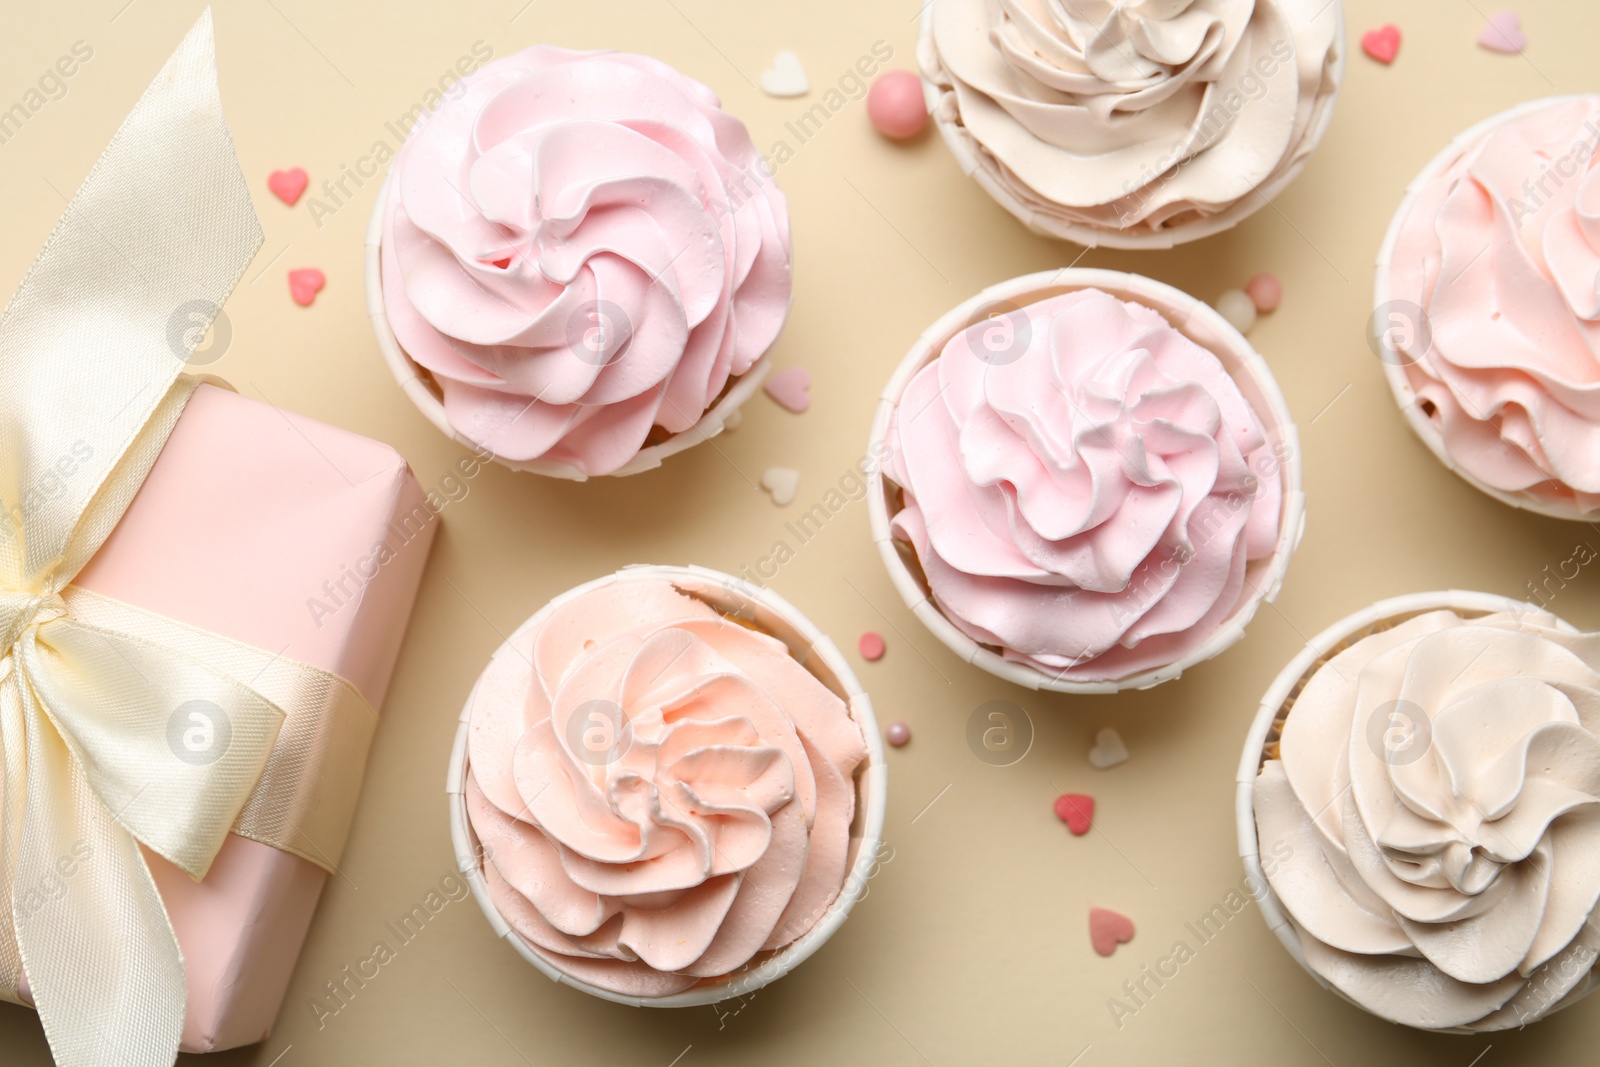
1382 44
1107 930
1077 811
791 388
1504 34
305 283
287 185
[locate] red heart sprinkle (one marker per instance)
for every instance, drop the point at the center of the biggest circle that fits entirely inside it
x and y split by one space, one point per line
1382 44
305 283
287 185
1107 930
1077 811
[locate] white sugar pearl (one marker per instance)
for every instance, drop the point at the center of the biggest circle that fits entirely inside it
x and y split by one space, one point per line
1236 306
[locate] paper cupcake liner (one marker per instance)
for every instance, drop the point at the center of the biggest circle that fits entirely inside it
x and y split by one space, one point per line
1260 745
1194 319
420 387
775 616
1395 373
1134 240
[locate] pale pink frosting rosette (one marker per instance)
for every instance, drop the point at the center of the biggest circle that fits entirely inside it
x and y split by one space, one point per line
655 799
1488 297
1421 793
579 257
1090 482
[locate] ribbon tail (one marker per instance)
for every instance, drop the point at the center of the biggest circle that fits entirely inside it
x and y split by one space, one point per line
102 960
13 797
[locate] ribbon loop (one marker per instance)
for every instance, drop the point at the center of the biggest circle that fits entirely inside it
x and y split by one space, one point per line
171 747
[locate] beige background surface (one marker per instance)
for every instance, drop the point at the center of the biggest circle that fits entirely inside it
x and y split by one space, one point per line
972 945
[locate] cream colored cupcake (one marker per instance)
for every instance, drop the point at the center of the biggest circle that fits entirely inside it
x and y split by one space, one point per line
1133 125
1421 792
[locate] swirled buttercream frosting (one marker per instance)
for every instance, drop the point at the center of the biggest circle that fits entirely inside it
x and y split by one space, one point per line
1493 304
664 795
1138 117
1438 786
583 250
1083 486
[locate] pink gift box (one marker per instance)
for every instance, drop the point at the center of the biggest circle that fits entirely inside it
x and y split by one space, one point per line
258 524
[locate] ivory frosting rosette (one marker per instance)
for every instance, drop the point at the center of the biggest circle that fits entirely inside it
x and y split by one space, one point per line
1134 125
1091 481
667 788
1488 309
1426 778
579 262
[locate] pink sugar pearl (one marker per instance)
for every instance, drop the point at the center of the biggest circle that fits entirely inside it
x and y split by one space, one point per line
871 646
898 734
1266 292
895 105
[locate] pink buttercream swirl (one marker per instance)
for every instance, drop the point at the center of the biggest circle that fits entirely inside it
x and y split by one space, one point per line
667 797
580 248
1086 494
1500 251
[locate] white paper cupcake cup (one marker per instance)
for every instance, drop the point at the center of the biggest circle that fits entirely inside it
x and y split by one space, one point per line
1268 724
424 392
777 617
1395 371
1102 237
1197 321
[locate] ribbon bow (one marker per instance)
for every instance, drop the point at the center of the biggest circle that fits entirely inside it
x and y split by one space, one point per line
119 727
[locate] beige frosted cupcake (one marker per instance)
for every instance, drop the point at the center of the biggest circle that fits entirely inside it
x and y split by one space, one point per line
1421 792
667 788
1132 125
1089 481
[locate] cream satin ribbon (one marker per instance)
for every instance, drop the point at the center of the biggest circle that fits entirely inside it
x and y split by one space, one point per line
98 698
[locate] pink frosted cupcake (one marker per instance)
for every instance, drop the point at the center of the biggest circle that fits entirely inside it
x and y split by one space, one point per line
1091 481
667 788
579 262
1488 314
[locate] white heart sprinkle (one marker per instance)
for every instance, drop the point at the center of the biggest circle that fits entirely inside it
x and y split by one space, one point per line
786 77
1108 751
1236 306
782 483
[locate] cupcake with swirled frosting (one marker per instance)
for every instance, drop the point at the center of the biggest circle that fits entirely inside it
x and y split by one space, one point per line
1139 124
1488 306
1429 795
1091 481
665 797
582 261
